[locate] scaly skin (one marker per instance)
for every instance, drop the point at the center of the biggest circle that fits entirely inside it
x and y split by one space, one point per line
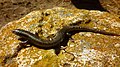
60 35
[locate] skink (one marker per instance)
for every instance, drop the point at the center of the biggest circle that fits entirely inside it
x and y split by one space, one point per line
59 37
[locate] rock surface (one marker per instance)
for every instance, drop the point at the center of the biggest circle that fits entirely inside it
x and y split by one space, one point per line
113 6
83 49
15 9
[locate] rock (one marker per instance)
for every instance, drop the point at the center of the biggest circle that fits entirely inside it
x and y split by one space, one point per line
15 9
83 49
113 6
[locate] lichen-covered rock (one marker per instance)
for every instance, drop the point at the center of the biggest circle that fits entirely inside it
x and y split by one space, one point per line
83 49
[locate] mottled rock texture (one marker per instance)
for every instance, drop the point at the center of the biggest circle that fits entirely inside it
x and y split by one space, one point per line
113 6
84 49
15 9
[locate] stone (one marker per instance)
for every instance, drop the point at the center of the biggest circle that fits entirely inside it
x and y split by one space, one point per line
83 49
